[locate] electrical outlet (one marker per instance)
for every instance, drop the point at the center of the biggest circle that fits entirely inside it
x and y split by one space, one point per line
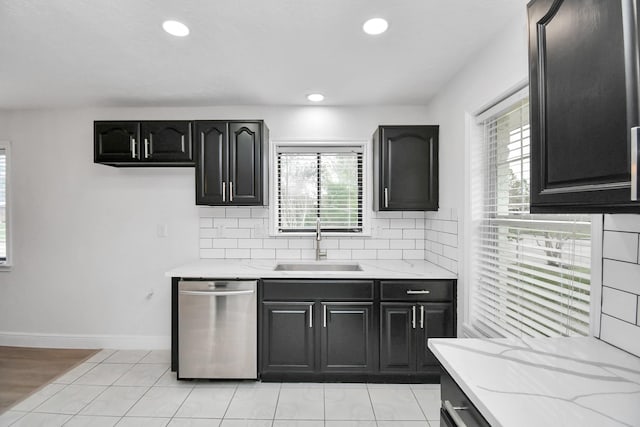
162 230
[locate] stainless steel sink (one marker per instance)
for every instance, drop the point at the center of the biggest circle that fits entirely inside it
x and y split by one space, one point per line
318 267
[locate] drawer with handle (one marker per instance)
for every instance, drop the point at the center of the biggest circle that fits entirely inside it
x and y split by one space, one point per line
456 409
417 290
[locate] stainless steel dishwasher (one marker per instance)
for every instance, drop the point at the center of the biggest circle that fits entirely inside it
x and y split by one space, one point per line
217 329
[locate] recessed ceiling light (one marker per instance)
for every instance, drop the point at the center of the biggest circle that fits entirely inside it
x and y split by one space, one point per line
175 28
375 26
315 97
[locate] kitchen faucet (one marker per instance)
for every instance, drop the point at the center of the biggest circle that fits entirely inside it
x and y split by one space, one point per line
319 253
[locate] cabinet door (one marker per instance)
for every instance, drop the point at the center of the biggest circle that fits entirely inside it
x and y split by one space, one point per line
409 168
397 350
211 163
435 320
166 141
584 102
116 142
245 167
288 343
347 337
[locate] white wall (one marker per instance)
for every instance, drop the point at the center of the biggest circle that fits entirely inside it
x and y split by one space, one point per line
495 71
85 250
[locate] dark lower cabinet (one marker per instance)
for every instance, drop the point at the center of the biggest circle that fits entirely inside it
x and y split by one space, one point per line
288 337
143 143
346 344
583 73
404 330
456 408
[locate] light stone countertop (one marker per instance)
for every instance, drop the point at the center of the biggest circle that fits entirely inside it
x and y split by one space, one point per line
262 269
534 382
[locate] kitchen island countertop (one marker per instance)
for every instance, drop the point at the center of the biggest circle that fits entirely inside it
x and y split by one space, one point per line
262 269
534 382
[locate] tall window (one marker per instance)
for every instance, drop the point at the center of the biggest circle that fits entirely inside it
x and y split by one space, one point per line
319 182
4 229
530 272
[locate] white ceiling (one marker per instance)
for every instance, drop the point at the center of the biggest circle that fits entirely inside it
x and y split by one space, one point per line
259 52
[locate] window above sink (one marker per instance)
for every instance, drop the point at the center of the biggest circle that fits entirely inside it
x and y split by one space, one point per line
319 180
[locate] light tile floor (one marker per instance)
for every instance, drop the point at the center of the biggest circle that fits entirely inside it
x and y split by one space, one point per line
137 388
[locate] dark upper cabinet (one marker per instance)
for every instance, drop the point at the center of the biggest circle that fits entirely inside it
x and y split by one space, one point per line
346 337
116 142
231 163
406 168
143 143
288 341
583 57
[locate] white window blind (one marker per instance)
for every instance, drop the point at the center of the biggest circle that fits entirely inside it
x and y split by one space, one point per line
531 272
3 205
319 182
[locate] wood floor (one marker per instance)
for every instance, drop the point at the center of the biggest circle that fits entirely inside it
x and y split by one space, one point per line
24 370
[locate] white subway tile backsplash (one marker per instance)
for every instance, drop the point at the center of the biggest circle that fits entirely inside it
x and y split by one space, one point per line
236 233
238 253
620 246
243 232
630 223
390 254
224 243
206 222
251 222
620 319
260 212
301 243
288 253
619 304
263 253
338 254
412 214
211 253
275 243
621 334
403 244
364 254
402 223
351 244
621 275
376 244
225 222
212 212
209 233
250 243
412 254
413 233
234 212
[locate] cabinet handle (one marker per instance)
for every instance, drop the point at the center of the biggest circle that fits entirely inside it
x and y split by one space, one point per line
418 292
231 191
133 148
311 315
146 148
634 163
224 191
324 316
422 317
386 197
413 316
451 410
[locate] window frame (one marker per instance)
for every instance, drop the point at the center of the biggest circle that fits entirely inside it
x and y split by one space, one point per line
474 148
8 262
321 143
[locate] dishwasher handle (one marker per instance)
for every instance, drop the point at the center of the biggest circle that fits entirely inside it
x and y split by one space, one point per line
218 293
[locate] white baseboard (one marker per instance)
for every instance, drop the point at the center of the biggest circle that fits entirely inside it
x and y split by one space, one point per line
120 342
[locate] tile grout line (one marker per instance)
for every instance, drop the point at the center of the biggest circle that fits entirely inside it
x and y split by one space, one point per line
413 392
